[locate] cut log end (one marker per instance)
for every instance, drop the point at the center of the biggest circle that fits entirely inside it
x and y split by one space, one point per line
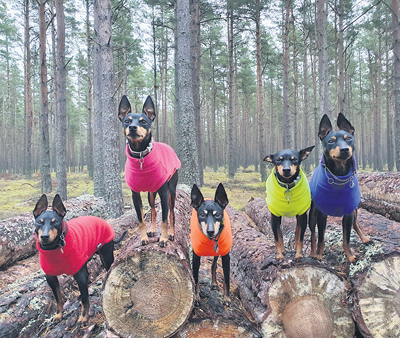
148 294
379 298
308 302
213 329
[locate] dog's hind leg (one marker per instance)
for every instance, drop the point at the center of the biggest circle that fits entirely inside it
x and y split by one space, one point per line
164 196
347 222
137 203
172 196
55 287
152 203
226 267
312 222
363 238
82 278
106 253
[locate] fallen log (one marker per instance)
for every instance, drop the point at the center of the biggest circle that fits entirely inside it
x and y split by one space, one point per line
280 295
380 193
16 240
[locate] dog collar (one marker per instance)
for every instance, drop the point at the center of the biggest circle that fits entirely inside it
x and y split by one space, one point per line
288 187
333 179
140 154
58 244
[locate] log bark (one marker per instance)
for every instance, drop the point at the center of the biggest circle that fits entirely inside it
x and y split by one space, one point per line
149 290
380 193
16 239
280 295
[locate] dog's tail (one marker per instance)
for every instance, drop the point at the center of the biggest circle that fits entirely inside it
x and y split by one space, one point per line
116 241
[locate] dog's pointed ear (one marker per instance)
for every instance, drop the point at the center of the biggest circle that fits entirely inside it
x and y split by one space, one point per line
325 126
41 206
58 206
196 197
269 158
303 153
124 107
344 124
220 196
149 108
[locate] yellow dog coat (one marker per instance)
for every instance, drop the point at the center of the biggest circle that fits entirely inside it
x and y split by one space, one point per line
288 202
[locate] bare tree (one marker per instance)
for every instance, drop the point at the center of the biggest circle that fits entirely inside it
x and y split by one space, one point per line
44 105
89 146
61 127
396 72
185 124
107 143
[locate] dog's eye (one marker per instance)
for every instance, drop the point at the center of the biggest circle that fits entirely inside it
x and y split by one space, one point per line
349 138
202 215
126 121
331 141
217 215
144 122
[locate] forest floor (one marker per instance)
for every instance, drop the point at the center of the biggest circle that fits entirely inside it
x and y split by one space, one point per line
19 195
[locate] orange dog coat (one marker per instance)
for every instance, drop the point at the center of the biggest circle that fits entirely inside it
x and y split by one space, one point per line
202 245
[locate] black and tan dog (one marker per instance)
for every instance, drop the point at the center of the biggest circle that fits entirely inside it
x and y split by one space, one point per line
211 235
288 195
66 247
334 185
150 167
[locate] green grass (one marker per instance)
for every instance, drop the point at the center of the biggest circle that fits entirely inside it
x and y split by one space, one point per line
19 195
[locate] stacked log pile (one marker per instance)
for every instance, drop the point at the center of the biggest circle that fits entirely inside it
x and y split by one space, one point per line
148 292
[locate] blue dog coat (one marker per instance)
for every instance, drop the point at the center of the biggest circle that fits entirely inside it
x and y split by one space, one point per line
335 195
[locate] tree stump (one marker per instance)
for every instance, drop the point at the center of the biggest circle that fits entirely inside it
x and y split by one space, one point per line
380 193
149 290
277 293
16 239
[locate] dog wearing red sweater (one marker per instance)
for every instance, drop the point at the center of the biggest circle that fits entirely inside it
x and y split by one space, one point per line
65 248
150 166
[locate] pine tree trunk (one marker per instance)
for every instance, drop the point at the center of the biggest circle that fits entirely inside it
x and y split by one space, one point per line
61 129
28 95
89 98
287 135
106 107
230 115
44 110
184 121
396 75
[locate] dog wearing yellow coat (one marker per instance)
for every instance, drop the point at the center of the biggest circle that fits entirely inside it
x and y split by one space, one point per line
288 195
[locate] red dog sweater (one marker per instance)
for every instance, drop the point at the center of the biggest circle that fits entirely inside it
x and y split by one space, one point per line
156 168
202 245
85 236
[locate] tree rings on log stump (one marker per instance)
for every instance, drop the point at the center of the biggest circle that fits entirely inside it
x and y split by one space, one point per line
213 329
308 302
379 298
148 294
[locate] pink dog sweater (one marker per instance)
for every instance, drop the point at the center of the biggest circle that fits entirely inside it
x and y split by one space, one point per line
157 168
85 236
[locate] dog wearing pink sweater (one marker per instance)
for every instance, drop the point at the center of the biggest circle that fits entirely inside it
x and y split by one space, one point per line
150 166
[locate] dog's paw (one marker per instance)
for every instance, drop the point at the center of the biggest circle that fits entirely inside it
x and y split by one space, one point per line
144 242
151 234
82 321
171 237
163 244
57 317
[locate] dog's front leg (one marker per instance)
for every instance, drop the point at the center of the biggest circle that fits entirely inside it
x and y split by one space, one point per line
364 239
55 287
226 267
321 222
82 278
164 196
299 234
214 284
276 229
196 267
347 223
137 203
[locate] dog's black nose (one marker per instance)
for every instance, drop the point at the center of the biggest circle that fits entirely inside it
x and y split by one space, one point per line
210 233
45 238
344 150
132 128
